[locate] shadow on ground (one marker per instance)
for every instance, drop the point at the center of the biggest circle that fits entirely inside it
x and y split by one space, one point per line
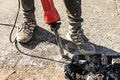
42 35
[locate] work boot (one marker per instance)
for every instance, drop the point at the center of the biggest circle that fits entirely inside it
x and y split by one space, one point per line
76 35
25 33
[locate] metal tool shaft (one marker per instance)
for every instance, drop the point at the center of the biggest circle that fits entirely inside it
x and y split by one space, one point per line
59 43
54 27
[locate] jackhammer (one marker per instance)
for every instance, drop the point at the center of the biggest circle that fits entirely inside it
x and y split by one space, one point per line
52 18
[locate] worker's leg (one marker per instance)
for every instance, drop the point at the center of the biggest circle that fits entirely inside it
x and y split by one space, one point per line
28 10
29 22
73 9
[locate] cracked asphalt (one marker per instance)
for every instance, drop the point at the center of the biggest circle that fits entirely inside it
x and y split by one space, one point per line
101 25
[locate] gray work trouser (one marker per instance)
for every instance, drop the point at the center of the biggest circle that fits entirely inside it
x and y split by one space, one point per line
73 9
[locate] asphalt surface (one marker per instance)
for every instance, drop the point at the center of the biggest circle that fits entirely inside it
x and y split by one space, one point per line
101 26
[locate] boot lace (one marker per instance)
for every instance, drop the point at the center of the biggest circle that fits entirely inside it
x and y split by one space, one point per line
27 27
79 37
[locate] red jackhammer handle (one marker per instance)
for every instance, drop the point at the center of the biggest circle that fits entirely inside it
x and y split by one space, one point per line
50 13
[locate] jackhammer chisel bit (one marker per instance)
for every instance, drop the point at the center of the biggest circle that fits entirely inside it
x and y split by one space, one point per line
54 27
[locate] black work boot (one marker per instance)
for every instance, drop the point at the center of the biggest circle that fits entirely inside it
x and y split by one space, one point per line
76 35
26 32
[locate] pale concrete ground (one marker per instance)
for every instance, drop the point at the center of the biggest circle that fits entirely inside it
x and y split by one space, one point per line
101 25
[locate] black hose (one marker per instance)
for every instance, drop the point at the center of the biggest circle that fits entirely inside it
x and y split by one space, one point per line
10 37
